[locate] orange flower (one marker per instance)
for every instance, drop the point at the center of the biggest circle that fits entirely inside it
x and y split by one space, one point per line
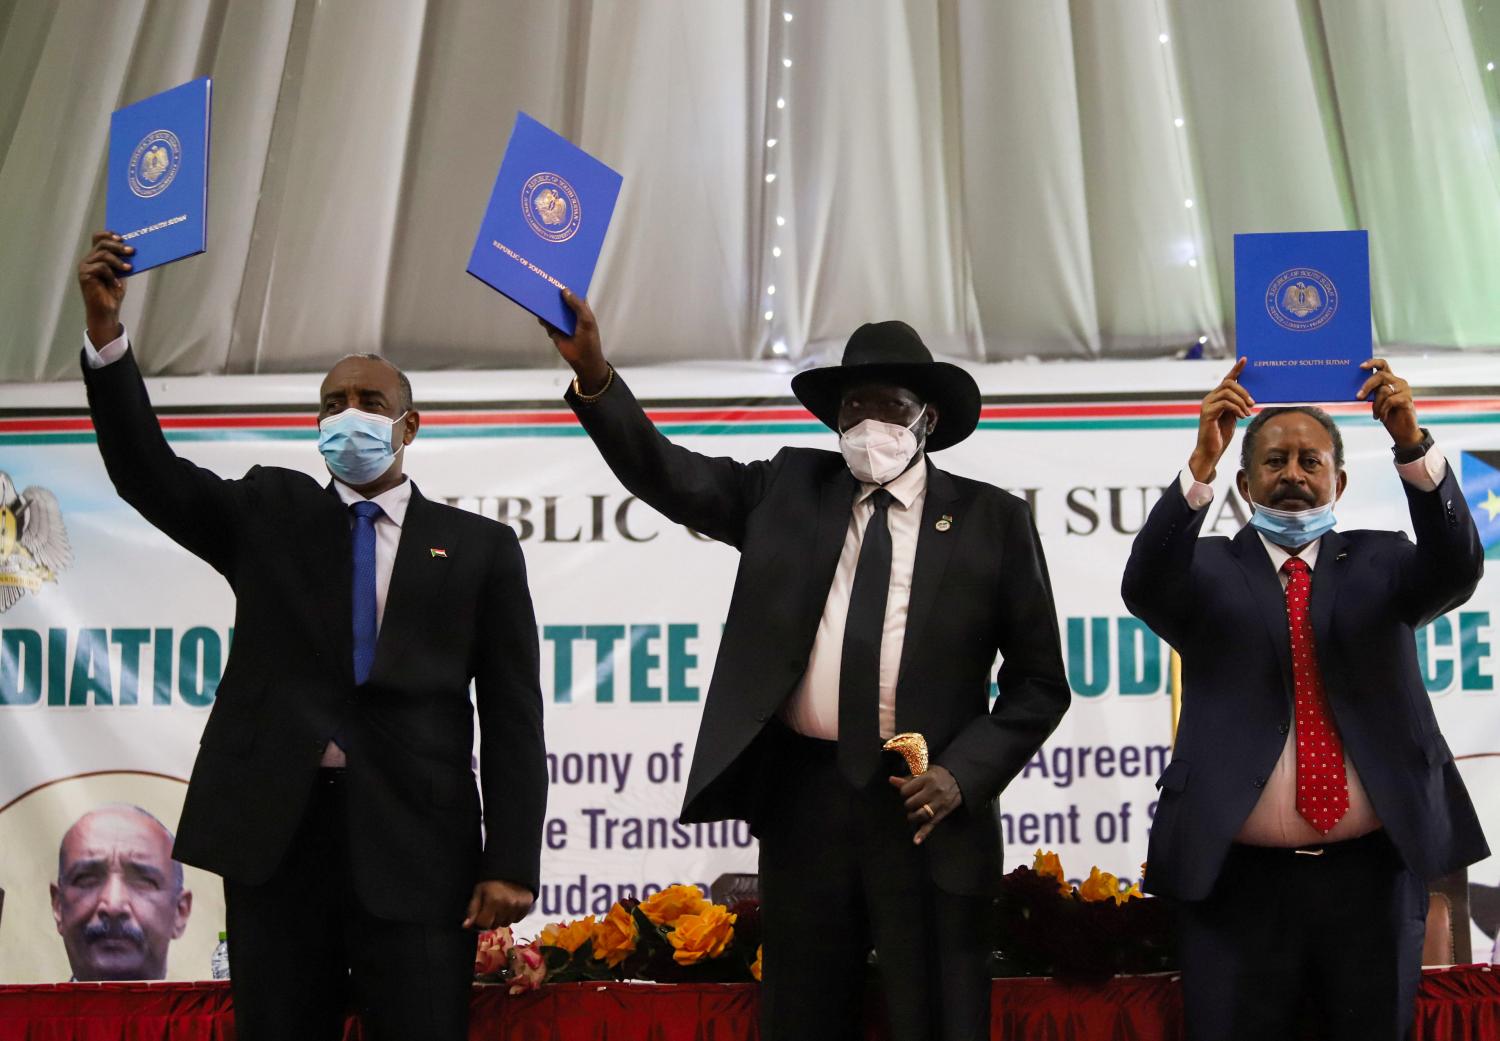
755 969
700 936
568 937
1133 893
1049 865
492 953
615 936
672 903
1099 886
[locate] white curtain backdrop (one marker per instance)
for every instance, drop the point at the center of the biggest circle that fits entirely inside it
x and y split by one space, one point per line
1048 178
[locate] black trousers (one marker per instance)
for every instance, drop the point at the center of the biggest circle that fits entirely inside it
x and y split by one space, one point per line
1286 936
838 875
302 950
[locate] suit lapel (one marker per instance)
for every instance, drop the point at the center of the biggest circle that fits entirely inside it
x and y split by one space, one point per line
328 561
1326 578
834 507
416 579
933 550
1270 598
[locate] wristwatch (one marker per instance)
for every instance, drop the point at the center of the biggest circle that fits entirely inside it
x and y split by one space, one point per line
1415 452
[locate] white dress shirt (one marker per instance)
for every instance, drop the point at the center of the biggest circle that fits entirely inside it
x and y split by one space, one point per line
1275 821
813 708
392 502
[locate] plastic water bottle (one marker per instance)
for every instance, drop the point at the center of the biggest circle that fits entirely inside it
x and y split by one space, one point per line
219 963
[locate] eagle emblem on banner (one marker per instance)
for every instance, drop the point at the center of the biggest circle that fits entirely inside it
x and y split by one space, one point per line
33 541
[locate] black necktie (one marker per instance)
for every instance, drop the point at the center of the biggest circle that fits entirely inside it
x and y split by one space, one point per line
859 669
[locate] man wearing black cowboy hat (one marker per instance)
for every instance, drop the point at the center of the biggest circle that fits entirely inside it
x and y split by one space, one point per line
873 594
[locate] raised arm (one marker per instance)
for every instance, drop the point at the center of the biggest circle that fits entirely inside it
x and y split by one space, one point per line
1156 577
712 495
193 506
1447 562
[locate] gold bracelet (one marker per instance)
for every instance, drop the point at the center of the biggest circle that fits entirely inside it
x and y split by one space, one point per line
608 382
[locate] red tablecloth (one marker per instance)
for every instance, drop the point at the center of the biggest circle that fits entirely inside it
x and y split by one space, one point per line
1461 1003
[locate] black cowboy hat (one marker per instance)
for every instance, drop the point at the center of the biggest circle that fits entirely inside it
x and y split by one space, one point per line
892 352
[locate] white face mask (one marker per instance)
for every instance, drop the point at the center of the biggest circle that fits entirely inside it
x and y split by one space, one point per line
879 452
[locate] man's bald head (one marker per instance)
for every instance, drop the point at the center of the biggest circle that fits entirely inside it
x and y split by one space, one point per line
143 818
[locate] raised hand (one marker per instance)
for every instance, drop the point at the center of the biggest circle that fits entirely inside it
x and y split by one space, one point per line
1391 403
101 279
1224 406
582 350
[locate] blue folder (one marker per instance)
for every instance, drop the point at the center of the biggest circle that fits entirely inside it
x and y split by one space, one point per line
545 223
1302 314
158 175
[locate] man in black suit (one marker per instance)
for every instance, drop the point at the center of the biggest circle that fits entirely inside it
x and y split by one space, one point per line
1310 795
333 788
874 591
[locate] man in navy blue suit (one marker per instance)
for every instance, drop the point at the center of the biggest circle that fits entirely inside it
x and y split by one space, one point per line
1310 796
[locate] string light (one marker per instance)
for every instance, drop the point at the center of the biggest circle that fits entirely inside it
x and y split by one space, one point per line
778 345
1163 38
1188 203
1179 122
1192 261
1489 67
1203 339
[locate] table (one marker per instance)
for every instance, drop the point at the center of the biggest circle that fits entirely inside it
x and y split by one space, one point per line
1457 1003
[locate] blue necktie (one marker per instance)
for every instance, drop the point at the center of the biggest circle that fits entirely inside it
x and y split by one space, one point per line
365 514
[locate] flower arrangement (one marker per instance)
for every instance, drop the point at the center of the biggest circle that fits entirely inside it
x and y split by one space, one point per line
674 935
1045 926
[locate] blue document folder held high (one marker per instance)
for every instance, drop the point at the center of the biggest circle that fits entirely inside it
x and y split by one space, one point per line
158 175
545 223
1302 314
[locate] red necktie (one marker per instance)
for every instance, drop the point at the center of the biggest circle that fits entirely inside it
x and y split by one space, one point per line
1322 788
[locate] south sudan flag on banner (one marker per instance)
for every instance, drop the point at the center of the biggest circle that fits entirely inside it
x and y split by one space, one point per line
1481 484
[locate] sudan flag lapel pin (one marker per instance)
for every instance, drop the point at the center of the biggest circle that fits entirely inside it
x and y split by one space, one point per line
439 551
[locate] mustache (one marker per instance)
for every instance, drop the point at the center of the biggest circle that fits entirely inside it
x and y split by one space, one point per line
114 929
1291 493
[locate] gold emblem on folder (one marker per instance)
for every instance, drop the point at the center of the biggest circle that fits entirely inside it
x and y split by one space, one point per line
1301 299
154 163
550 206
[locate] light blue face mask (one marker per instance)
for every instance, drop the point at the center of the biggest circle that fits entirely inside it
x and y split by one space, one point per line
357 445
1292 528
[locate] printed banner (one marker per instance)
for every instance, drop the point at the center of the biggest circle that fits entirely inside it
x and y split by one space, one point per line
112 638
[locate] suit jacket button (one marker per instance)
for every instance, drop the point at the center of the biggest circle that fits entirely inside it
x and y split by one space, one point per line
1285 727
764 717
1259 782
